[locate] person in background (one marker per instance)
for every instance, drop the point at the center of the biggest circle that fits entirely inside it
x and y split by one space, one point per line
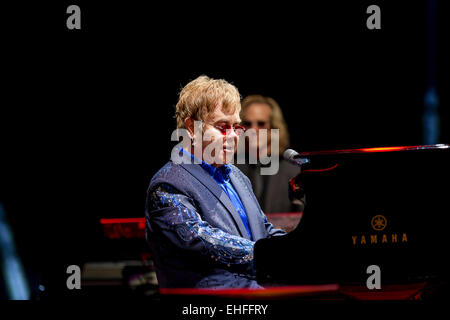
259 112
202 218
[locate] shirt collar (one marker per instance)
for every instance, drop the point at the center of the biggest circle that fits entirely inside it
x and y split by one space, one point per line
220 174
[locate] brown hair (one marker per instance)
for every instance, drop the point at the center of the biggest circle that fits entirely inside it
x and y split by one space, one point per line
200 97
276 120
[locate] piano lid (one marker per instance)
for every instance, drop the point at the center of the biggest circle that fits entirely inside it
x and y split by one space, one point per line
372 150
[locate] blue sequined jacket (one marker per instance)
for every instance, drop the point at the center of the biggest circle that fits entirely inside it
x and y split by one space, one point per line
196 236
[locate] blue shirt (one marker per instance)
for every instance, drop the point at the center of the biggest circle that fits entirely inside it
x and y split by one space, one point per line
222 176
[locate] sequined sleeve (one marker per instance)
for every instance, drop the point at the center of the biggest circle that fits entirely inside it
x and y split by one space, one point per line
175 216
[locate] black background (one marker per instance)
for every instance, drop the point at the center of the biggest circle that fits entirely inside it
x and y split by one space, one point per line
88 114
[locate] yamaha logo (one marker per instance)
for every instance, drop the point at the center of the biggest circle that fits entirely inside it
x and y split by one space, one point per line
378 222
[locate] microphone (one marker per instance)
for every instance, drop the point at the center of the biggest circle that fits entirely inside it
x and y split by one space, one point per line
293 157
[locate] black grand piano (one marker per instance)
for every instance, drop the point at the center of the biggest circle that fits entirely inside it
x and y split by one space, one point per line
387 207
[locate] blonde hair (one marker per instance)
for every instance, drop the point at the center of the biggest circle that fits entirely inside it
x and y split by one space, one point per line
276 120
200 97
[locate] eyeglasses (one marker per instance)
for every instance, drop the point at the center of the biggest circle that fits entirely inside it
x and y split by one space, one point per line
260 124
238 129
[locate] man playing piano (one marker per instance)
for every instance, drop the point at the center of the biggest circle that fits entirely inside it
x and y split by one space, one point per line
202 217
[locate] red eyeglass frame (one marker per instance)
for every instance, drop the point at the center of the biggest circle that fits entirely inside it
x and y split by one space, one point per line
238 129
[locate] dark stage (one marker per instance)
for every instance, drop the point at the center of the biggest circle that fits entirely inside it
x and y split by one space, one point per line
88 114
